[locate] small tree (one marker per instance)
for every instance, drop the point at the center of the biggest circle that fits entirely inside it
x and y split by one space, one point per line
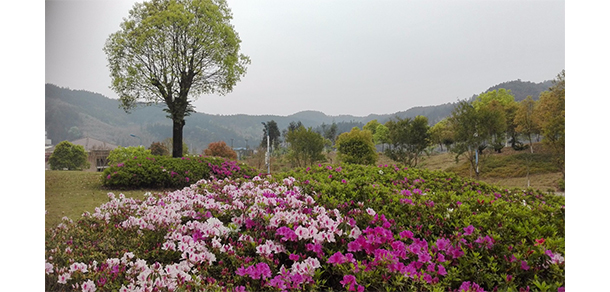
68 156
305 146
158 148
465 121
220 149
356 147
409 138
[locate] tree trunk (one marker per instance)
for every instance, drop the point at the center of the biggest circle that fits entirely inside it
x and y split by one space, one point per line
177 137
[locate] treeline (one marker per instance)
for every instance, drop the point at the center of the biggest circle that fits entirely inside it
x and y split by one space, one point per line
475 129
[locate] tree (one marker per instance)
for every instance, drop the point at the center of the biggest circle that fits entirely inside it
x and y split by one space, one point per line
465 121
381 136
172 51
371 126
408 139
68 156
497 110
526 125
220 149
305 146
550 114
356 147
158 148
441 134
274 135
525 120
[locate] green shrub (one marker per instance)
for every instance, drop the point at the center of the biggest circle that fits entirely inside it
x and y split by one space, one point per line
122 154
167 172
356 147
68 156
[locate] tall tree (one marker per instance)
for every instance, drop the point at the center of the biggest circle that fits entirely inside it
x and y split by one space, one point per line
551 116
274 135
526 121
465 122
172 51
527 126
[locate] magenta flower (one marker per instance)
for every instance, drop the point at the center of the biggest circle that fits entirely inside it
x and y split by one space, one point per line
524 266
337 259
407 234
468 230
294 257
441 270
443 243
349 280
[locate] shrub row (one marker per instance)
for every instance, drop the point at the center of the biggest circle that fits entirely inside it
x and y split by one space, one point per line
156 172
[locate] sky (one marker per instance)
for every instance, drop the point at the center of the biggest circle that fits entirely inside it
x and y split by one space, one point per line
339 57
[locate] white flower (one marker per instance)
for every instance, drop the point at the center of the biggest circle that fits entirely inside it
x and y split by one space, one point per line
380 171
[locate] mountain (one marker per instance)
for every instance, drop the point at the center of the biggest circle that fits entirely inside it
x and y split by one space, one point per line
72 114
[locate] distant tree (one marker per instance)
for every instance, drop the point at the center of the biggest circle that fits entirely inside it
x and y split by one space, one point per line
173 51
371 126
158 148
331 133
274 135
550 114
220 149
525 120
305 147
68 156
408 139
497 109
465 121
356 147
74 133
381 136
441 134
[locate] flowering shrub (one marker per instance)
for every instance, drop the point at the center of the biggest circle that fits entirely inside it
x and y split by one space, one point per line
153 171
409 230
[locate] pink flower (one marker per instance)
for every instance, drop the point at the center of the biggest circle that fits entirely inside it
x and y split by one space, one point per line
407 234
468 230
294 257
89 286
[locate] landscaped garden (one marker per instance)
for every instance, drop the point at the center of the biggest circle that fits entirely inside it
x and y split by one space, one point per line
325 227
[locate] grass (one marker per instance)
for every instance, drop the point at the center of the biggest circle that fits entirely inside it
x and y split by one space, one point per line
71 193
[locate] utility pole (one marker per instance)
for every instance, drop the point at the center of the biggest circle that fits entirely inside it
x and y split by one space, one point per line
267 153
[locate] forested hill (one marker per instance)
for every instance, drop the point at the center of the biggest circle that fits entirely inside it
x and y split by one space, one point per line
71 114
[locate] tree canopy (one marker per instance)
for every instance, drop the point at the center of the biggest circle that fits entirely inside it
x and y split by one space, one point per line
172 51
356 147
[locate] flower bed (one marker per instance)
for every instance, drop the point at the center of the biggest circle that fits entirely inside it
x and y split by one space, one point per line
348 228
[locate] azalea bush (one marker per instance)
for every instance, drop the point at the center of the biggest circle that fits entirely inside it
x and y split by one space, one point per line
350 228
153 171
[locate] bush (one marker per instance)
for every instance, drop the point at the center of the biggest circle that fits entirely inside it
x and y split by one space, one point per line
356 147
220 149
328 228
68 156
123 154
167 172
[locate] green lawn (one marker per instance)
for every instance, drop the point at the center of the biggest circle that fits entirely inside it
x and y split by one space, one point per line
70 193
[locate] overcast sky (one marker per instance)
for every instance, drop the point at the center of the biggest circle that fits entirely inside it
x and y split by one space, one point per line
339 57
